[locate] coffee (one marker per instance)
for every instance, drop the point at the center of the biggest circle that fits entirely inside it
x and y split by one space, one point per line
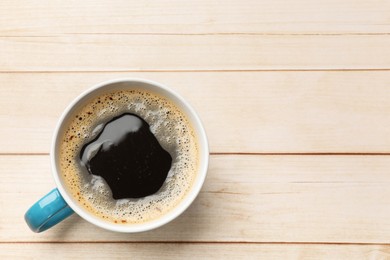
128 157
169 156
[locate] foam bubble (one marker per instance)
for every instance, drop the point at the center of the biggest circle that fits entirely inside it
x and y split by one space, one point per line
173 131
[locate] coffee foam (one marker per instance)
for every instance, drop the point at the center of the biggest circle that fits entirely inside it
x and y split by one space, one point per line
171 128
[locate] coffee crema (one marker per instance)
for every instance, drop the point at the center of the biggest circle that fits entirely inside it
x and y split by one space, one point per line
168 124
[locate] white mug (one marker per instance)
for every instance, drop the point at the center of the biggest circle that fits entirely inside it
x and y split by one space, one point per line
59 204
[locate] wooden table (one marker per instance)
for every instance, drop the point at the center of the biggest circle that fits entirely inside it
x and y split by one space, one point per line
294 95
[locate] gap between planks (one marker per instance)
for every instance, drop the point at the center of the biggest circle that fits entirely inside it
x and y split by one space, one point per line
196 242
193 70
200 34
241 153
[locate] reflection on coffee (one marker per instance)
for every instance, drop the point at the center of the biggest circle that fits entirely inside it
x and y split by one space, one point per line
128 157
98 192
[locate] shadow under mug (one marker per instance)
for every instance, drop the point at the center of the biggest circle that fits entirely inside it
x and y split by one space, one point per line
58 204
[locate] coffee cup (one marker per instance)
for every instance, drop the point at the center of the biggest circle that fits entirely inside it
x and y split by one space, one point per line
87 182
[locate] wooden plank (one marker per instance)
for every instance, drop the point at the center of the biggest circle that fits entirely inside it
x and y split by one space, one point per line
335 199
192 251
250 112
250 16
194 52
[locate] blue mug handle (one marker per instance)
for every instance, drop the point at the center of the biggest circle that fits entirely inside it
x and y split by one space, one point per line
47 212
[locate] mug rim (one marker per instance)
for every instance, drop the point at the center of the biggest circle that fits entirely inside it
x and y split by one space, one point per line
172 213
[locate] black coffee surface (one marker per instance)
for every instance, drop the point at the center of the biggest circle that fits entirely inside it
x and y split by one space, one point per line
128 156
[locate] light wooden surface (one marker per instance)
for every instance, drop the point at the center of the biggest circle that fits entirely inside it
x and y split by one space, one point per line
295 98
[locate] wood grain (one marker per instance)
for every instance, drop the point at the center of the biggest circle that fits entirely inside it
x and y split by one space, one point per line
194 52
331 199
269 78
192 251
251 16
243 112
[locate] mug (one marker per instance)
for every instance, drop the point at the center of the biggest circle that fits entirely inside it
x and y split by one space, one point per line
59 204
